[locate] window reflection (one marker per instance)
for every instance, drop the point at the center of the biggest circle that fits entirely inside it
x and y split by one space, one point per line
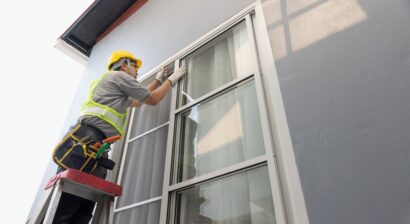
147 214
217 63
144 168
242 198
213 134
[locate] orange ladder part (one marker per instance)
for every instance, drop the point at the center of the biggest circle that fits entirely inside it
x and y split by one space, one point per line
82 185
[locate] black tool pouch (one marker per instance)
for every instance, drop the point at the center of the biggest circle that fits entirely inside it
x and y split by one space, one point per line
106 163
75 151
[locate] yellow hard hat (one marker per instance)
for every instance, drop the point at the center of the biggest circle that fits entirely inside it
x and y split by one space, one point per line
118 55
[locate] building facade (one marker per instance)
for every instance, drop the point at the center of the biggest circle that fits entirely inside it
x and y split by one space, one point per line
292 111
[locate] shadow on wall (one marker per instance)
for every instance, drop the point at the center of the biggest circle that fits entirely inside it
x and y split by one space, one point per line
304 22
343 67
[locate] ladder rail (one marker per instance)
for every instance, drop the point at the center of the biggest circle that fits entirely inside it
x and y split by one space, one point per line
52 207
41 210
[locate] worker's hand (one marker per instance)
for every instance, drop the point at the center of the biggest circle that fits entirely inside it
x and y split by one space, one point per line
177 75
161 75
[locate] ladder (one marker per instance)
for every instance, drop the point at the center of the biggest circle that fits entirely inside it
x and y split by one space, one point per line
80 184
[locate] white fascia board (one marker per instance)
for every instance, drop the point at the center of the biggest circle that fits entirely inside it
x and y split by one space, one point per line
71 51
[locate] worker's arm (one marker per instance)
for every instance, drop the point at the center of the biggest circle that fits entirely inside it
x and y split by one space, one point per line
159 79
154 85
155 96
159 93
135 103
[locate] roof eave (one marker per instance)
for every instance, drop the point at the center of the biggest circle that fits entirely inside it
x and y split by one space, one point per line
71 51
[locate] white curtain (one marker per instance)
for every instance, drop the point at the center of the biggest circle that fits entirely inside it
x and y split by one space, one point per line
147 214
144 168
148 117
142 178
218 62
221 132
244 198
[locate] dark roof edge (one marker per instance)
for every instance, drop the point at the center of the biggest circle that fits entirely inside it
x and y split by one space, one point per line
92 26
134 7
70 51
79 18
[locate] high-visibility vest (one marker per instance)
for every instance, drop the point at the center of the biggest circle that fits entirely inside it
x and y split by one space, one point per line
106 113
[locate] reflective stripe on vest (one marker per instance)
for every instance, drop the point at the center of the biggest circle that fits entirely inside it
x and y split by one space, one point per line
106 113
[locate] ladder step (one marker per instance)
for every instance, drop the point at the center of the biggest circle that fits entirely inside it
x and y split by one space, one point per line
90 181
77 183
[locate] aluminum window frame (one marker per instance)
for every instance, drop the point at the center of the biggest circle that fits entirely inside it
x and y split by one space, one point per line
220 91
242 170
290 195
128 141
168 196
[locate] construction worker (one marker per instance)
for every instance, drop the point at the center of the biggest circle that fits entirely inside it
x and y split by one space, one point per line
103 115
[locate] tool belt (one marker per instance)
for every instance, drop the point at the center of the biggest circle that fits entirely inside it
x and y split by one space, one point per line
78 150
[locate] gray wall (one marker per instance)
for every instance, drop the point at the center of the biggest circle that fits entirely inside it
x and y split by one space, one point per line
162 28
344 71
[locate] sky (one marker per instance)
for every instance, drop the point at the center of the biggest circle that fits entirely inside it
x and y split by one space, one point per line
37 87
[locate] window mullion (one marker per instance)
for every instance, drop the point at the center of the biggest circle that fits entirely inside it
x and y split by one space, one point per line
169 152
137 204
130 123
219 173
213 93
147 132
266 129
124 153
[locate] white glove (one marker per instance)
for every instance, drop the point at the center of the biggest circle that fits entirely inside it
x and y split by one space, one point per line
161 75
177 75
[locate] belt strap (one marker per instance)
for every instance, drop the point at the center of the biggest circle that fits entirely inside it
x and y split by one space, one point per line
94 129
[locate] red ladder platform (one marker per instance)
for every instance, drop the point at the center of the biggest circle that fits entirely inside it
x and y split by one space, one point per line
80 184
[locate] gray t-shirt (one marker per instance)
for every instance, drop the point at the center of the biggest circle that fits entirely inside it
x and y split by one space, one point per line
116 90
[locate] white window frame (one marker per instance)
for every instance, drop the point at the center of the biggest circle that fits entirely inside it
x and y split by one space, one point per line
128 141
286 188
268 158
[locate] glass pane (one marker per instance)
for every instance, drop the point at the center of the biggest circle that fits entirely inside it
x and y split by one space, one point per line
144 168
243 198
148 117
147 214
216 63
220 132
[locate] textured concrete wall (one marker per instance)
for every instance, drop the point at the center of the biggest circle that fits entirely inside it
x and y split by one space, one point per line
344 72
